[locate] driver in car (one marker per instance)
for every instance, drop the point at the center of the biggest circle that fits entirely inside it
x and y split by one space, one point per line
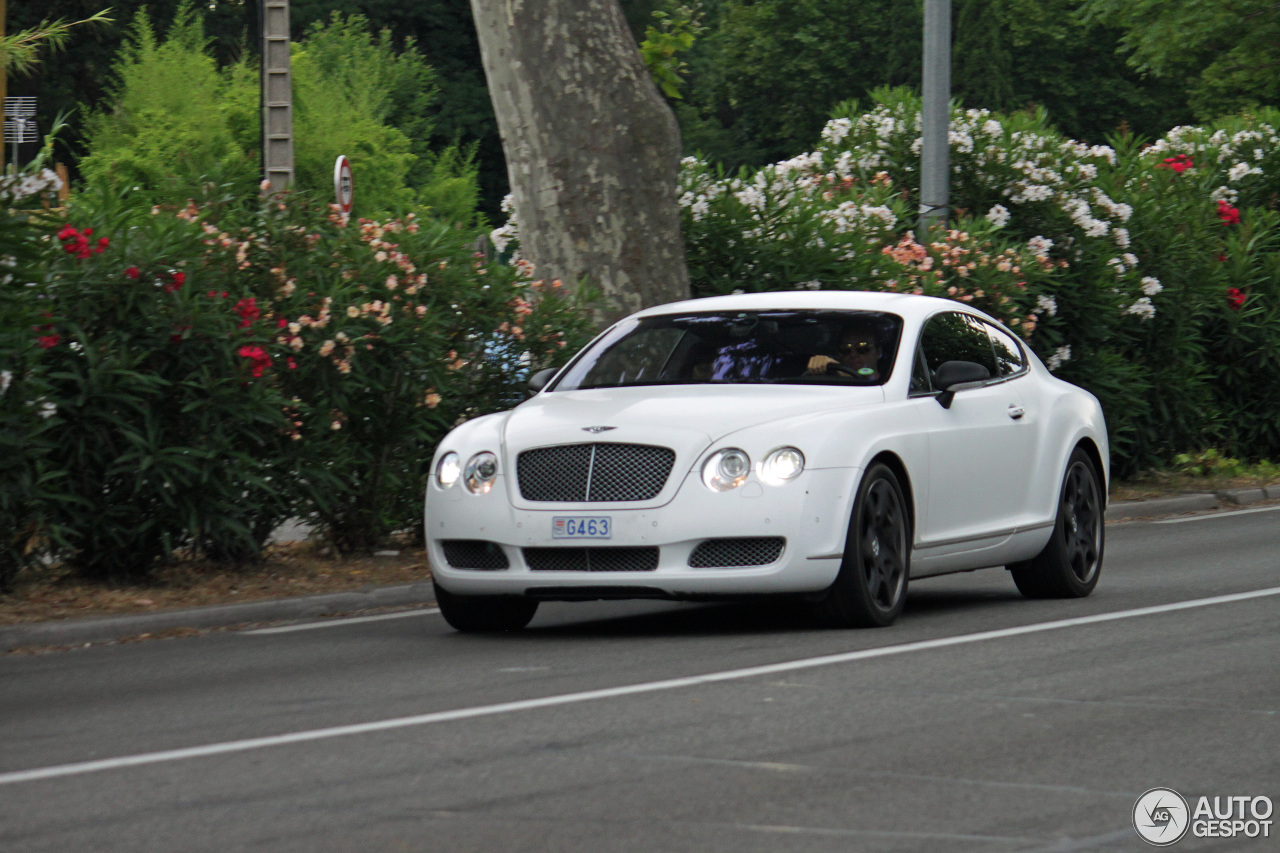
858 352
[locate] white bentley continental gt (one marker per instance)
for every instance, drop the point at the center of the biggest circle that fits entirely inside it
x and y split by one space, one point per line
826 445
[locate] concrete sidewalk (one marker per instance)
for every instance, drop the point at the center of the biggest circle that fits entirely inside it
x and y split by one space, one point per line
75 632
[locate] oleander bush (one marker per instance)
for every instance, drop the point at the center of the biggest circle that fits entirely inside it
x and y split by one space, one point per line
206 372
1147 273
25 480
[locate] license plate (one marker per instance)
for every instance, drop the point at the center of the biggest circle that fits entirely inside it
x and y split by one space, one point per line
581 527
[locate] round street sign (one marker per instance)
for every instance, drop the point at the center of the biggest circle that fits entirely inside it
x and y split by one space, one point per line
343 188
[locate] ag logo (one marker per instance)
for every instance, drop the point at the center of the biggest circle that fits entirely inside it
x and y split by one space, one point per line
1161 817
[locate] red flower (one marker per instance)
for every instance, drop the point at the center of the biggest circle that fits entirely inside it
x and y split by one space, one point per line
67 233
179 333
217 294
1236 298
175 282
49 341
258 357
248 310
1228 214
281 323
103 243
1178 163
293 365
133 273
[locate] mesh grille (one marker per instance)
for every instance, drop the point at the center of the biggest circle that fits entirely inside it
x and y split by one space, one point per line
591 559
474 554
752 551
594 473
554 473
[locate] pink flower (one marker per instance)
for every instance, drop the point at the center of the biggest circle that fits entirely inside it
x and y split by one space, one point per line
258 357
1178 163
248 310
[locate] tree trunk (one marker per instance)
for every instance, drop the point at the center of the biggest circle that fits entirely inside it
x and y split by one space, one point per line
592 149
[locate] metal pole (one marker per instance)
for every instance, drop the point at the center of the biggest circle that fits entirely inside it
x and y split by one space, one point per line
4 76
277 96
935 152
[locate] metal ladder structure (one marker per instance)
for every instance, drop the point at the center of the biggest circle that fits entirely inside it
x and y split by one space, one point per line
277 96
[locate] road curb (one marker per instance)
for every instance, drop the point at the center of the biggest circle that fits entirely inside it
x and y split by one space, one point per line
1123 510
73 632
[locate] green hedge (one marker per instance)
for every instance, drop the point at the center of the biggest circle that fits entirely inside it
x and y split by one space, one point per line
1148 274
190 378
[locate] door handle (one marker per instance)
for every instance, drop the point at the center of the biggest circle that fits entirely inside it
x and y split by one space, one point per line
1016 412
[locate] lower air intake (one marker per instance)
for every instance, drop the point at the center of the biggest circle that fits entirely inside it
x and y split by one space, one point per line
746 551
474 554
591 559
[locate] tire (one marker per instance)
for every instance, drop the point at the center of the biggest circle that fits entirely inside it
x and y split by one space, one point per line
1071 562
487 614
871 588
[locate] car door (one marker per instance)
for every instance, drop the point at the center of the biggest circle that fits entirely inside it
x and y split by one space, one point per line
981 448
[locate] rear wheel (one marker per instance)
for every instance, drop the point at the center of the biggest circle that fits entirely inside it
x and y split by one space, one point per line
871 588
485 613
1071 562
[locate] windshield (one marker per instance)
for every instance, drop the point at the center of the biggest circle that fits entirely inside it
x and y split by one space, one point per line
742 347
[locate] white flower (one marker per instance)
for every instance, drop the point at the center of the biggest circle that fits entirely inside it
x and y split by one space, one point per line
1060 357
813 285
1047 304
1142 308
1040 246
6 379
47 410
1122 237
998 215
836 130
1242 170
751 197
1151 286
1226 194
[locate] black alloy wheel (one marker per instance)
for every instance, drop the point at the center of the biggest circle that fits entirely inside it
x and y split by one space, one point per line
1071 562
871 588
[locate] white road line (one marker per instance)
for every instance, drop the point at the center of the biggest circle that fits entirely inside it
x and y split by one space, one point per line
1217 515
338 623
608 692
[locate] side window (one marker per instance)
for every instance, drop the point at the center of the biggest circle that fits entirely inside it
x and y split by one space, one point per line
956 337
920 383
1009 357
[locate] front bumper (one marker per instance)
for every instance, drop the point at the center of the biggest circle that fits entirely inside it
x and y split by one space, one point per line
810 513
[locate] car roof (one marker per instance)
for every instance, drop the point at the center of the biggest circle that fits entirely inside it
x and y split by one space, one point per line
906 305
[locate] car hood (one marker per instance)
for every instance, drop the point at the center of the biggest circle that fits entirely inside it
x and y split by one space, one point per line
642 413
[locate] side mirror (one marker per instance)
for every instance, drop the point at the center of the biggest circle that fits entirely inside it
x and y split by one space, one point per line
539 380
951 375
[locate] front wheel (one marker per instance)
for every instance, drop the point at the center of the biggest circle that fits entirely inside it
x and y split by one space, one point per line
1070 563
871 588
488 614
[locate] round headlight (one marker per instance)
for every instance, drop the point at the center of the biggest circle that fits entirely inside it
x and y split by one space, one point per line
481 469
448 470
726 469
781 465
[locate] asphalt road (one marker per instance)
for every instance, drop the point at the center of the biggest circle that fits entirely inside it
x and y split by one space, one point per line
980 721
